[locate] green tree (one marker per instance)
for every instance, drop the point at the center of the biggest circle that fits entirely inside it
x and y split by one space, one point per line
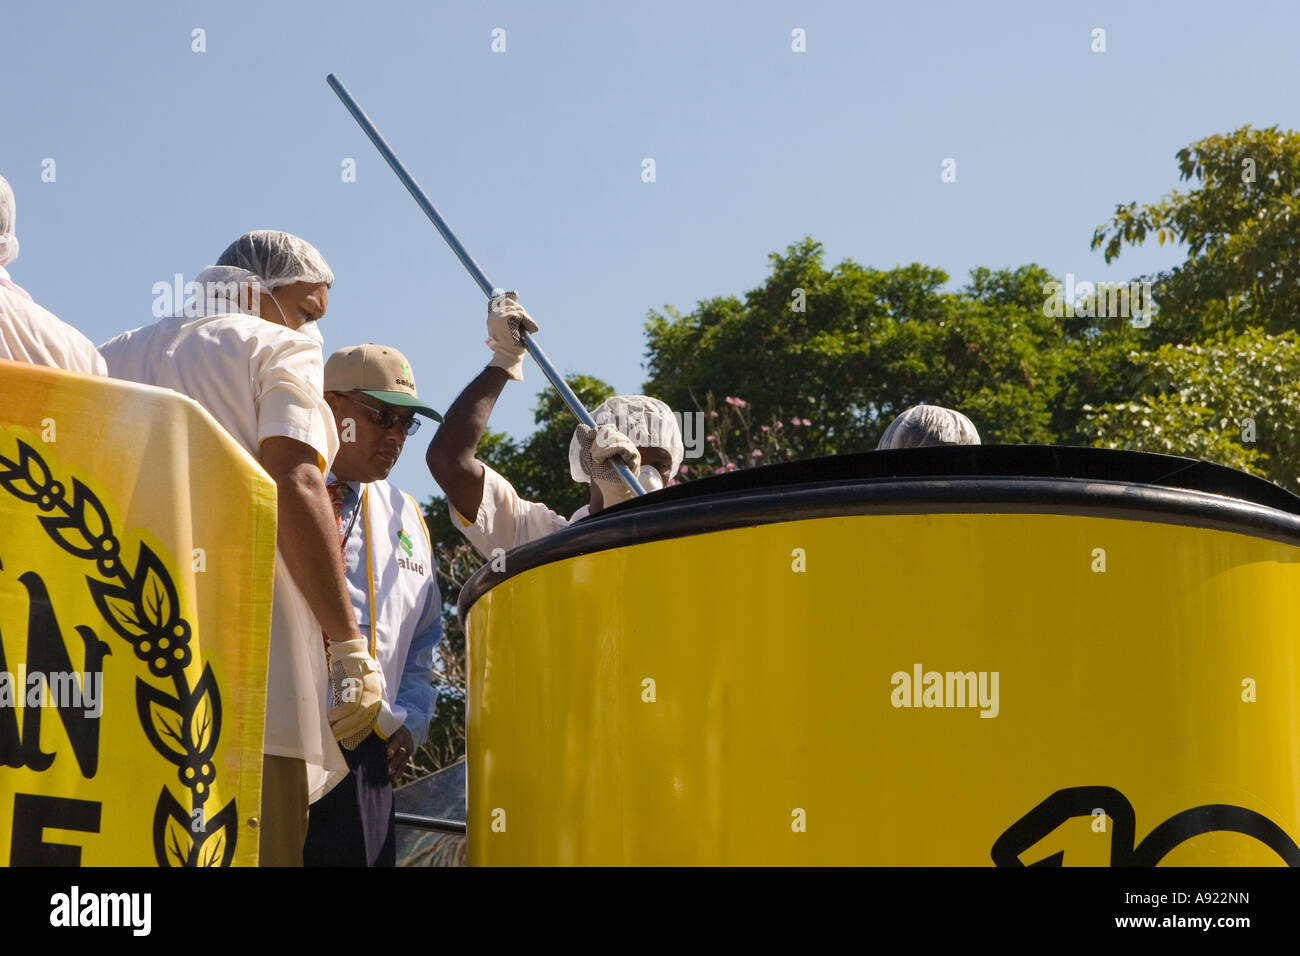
1233 399
851 347
1241 225
1218 376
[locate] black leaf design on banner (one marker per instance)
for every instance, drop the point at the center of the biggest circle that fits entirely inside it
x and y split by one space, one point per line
173 843
218 844
143 608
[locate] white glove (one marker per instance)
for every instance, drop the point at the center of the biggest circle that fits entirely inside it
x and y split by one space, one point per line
599 447
505 318
358 691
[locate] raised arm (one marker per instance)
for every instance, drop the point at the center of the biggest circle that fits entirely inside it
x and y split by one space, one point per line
451 455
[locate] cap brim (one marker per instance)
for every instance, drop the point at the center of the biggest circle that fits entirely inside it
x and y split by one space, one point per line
404 400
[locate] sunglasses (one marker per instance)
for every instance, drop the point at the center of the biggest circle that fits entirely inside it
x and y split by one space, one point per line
386 419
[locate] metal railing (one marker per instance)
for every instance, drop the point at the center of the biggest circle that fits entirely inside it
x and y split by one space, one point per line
418 822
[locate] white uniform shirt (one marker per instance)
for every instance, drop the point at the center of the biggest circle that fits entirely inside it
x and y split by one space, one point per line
259 380
29 333
505 520
388 557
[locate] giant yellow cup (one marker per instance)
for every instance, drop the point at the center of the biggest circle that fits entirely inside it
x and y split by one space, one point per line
854 662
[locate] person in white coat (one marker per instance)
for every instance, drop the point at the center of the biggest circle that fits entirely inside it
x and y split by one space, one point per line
240 351
639 430
388 559
29 333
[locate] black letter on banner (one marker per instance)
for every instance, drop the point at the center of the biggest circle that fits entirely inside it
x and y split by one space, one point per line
33 814
11 745
46 654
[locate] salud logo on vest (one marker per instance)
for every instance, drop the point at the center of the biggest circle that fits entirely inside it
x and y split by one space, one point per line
404 541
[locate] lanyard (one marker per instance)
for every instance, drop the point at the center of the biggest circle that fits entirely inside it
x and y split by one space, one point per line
347 532
362 505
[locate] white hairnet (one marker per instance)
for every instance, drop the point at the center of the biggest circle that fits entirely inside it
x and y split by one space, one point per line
279 258
230 289
8 220
647 421
923 425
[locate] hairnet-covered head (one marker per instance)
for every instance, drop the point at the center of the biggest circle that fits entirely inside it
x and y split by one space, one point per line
647 421
923 425
278 258
8 219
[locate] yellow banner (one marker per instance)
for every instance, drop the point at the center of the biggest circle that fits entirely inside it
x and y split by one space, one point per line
136 567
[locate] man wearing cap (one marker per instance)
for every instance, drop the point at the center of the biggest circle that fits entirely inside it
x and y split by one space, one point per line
241 352
29 333
388 561
639 430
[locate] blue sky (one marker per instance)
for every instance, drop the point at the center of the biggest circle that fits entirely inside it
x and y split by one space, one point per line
164 155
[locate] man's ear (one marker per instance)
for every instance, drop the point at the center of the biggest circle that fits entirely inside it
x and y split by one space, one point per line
251 294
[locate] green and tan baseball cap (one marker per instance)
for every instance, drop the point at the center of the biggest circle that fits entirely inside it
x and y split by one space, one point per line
379 371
